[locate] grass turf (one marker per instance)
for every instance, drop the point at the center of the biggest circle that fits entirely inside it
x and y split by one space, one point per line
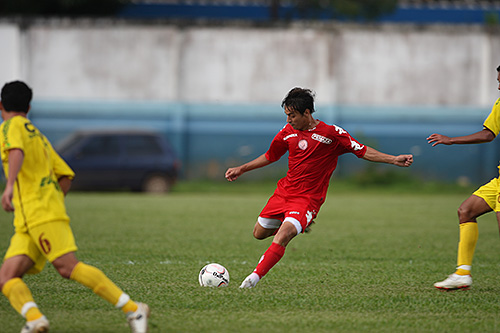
368 265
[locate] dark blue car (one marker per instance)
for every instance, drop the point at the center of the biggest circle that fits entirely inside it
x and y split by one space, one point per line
120 159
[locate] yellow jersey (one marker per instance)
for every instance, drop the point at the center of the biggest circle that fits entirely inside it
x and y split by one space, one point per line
493 121
37 197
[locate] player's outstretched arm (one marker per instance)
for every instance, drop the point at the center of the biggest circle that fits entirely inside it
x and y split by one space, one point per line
233 173
374 155
479 137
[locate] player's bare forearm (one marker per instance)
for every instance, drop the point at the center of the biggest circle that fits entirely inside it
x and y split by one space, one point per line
7 199
374 155
16 159
65 184
233 173
479 137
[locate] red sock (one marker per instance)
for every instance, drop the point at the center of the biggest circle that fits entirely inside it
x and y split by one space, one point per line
273 254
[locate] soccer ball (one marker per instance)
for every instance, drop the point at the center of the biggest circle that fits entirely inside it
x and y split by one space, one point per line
214 275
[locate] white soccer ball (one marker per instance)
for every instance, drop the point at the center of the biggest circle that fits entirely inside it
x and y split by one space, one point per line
214 275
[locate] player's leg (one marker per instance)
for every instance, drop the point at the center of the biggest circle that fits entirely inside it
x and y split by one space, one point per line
22 256
468 212
296 215
291 227
93 278
61 254
273 254
270 218
266 227
13 287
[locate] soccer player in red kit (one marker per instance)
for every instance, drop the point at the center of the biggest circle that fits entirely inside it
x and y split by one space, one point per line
313 149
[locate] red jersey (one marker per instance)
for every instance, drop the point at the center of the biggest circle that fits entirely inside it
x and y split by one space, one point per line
312 158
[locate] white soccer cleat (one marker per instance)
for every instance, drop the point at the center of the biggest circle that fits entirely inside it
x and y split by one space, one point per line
138 320
41 325
455 281
250 281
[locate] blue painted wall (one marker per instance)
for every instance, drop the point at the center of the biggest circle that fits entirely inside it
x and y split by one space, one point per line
210 138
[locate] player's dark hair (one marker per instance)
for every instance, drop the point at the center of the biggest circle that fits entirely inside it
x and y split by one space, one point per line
299 99
498 69
16 96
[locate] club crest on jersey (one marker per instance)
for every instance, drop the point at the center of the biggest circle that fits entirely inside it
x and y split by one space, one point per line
321 138
303 144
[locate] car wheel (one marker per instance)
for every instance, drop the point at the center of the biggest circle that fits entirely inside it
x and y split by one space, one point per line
156 184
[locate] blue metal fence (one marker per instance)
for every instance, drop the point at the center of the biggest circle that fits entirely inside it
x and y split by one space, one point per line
442 12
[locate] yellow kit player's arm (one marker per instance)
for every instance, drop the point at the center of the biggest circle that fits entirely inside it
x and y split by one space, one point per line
16 158
479 137
491 128
65 184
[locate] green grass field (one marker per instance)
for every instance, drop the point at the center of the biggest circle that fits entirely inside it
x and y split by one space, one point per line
367 266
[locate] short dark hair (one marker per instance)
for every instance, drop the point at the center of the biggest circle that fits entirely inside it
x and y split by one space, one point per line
16 96
299 99
498 69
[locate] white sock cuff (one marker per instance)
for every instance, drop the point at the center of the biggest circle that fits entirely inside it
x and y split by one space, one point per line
124 298
26 307
465 267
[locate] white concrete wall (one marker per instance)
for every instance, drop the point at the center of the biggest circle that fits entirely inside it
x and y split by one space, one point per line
10 53
360 65
252 65
126 62
448 67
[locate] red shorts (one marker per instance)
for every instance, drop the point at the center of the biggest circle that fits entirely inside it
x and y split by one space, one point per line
300 211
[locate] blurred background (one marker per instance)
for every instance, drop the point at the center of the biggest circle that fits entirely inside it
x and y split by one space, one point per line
209 76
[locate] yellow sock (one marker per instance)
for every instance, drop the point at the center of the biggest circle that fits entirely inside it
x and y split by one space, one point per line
33 314
19 296
468 238
96 280
131 306
461 271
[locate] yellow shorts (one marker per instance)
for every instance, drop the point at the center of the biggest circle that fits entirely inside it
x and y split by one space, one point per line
44 242
490 193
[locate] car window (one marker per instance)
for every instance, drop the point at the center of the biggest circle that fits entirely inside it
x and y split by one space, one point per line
101 145
142 145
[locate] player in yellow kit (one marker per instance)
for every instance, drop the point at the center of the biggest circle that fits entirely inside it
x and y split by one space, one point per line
37 180
485 199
